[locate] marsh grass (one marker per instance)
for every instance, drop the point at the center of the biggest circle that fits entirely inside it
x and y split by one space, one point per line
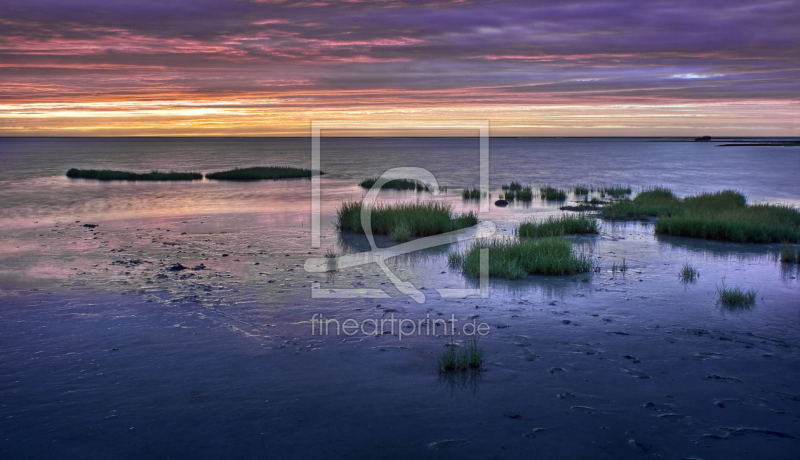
790 255
405 221
397 184
558 226
260 173
735 296
516 259
330 254
109 175
721 216
525 194
401 232
513 186
471 193
455 358
622 268
581 190
688 273
552 194
617 191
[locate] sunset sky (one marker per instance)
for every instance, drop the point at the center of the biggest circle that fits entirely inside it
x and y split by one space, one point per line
535 68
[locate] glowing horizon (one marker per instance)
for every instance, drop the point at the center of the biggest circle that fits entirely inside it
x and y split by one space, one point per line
267 68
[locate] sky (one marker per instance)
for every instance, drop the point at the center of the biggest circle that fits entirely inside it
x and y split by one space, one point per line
270 67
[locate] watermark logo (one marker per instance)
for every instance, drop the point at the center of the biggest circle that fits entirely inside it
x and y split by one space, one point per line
400 327
378 255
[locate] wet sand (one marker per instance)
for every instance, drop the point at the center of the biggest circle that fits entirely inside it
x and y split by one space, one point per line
116 355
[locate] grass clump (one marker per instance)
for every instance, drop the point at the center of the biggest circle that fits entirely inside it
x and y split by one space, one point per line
619 268
721 216
405 221
454 358
515 190
558 226
526 194
513 259
581 190
552 194
735 296
260 173
688 273
110 174
471 193
396 184
790 255
617 191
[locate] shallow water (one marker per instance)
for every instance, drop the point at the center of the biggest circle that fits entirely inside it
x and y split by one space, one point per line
106 353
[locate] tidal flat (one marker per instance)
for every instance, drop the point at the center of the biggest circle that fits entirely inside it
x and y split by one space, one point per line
108 350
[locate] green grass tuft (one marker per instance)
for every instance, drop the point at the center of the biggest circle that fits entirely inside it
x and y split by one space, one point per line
397 184
558 226
513 186
617 191
405 221
109 175
514 259
455 358
790 255
553 194
721 216
688 273
581 190
471 193
526 194
260 173
735 296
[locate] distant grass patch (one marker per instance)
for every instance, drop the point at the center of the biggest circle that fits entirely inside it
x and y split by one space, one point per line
260 173
581 190
721 216
790 255
513 186
521 193
552 194
735 296
688 273
514 259
617 191
405 221
109 174
471 193
455 358
526 194
557 226
397 184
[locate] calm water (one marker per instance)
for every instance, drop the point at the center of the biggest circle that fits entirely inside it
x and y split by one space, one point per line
105 353
33 186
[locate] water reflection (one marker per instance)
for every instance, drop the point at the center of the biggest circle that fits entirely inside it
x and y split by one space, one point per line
461 380
723 250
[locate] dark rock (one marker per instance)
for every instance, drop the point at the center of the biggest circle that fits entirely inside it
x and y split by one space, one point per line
90 225
501 203
177 267
199 267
